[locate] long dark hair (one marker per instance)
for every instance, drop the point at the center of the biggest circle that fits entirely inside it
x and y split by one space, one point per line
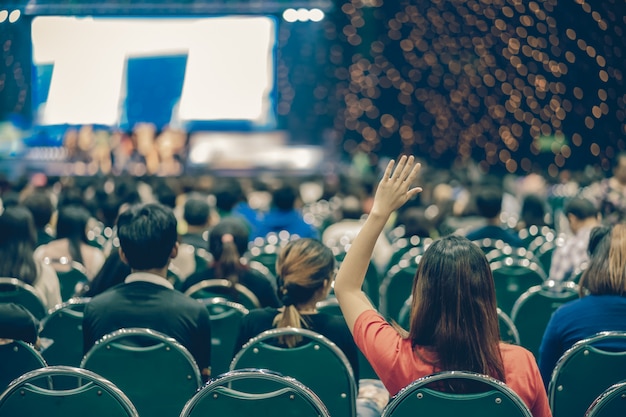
72 225
454 310
228 241
17 243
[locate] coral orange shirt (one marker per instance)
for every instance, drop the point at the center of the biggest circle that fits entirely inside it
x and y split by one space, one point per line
397 364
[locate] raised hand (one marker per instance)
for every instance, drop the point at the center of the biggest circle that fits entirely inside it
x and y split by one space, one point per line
394 188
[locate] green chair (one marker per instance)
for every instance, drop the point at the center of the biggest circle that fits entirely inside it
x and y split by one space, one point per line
397 284
533 309
331 306
211 288
371 282
72 276
335 385
61 333
611 403
156 372
94 396
508 331
404 244
274 395
585 371
13 290
512 276
226 319
427 397
17 358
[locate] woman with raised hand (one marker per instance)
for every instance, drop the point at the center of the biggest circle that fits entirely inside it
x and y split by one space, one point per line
454 321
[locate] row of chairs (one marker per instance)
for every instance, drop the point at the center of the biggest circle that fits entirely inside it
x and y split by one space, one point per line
586 378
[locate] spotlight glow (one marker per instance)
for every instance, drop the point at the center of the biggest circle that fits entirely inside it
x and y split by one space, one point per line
290 15
14 16
3 15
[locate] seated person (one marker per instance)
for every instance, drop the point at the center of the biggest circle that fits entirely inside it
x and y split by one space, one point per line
148 241
602 306
489 206
582 216
454 320
228 240
306 269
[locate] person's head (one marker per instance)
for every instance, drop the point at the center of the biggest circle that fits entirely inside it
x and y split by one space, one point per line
196 211
580 212
227 194
305 269
351 208
533 211
489 202
284 198
606 274
454 309
72 225
40 206
228 241
17 242
619 167
148 236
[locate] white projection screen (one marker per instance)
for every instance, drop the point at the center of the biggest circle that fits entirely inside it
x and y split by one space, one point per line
204 72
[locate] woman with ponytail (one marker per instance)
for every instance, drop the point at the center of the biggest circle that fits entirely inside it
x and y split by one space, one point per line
228 240
306 270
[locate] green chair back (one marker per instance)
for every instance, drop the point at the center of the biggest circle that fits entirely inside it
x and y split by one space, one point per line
61 333
156 372
331 306
533 309
611 403
585 371
72 276
512 276
403 245
211 288
424 397
396 287
92 396
17 358
335 386
274 395
12 290
226 317
508 330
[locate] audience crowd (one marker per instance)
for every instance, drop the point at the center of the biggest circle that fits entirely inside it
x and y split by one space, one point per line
141 245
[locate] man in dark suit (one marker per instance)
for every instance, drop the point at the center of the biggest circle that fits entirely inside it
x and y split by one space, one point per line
148 241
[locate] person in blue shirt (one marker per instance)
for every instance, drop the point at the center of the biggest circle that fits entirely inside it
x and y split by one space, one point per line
603 309
284 216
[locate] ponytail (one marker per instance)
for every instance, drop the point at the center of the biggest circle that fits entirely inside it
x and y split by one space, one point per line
228 265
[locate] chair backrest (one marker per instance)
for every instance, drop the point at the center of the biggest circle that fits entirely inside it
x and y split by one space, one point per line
211 288
585 371
274 395
13 290
508 330
533 309
335 386
512 276
72 276
156 372
611 403
17 358
397 284
424 397
30 395
226 319
61 333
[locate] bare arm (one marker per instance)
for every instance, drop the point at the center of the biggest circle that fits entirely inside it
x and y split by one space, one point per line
393 191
